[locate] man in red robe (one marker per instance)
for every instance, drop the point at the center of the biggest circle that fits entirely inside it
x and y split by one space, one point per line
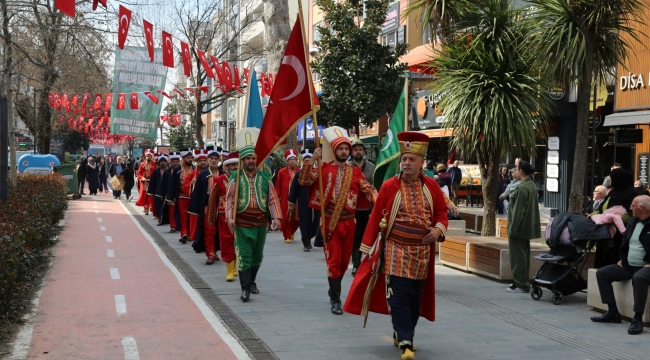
282 186
411 214
180 191
342 186
144 173
217 214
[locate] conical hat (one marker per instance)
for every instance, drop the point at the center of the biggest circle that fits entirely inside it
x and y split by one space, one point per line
334 136
246 139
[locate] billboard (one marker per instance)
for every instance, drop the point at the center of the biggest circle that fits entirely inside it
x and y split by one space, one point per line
135 73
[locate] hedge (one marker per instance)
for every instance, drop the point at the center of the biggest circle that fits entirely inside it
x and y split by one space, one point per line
28 225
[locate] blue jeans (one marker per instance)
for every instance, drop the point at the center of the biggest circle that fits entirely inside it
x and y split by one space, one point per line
102 183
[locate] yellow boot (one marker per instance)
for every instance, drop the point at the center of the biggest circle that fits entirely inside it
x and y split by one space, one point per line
293 236
287 240
415 348
408 355
230 271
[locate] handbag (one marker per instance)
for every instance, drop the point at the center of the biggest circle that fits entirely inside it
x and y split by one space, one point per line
117 183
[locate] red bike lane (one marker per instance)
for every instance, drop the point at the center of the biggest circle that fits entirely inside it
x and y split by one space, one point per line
110 295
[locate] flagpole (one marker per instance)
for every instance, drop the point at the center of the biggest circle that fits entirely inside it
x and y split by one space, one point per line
406 104
315 118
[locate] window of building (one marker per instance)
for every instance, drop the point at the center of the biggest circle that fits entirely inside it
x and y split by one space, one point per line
315 32
426 35
389 38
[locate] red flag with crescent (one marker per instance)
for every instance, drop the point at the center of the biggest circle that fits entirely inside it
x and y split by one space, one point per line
84 103
95 2
98 102
223 72
164 94
66 6
75 103
247 76
133 103
237 80
108 102
123 30
293 101
153 97
205 63
168 49
148 35
121 102
185 52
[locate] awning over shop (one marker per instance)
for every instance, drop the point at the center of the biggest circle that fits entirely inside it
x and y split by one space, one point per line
628 118
370 139
419 58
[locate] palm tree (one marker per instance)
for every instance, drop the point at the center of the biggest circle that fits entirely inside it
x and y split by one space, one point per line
438 16
492 91
583 44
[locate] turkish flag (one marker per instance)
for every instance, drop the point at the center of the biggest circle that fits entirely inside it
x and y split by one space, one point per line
64 102
205 63
180 93
223 72
168 50
203 89
187 66
65 6
90 121
108 102
98 102
247 76
121 102
125 22
192 91
153 97
237 80
294 100
75 103
95 2
148 35
266 90
84 103
164 94
134 104
50 99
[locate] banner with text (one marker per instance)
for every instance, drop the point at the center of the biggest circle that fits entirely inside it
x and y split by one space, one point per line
134 73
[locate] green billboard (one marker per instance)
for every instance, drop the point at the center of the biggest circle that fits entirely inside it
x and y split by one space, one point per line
135 73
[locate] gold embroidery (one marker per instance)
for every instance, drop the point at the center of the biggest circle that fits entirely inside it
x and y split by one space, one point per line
352 201
344 188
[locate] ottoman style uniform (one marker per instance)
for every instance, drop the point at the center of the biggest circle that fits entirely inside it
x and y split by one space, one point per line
283 186
256 200
299 203
203 232
342 187
217 214
144 173
164 190
155 186
180 191
397 277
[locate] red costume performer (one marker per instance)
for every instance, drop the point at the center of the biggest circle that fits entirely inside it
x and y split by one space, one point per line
186 176
342 186
411 213
217 214
282 186
144 175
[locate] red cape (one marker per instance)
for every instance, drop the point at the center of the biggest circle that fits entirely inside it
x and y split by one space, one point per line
378 304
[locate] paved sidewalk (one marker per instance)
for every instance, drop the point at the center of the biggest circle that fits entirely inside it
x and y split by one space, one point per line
476 317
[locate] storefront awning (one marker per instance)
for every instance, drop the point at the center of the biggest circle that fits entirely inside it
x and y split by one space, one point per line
628 118
370 139
419 57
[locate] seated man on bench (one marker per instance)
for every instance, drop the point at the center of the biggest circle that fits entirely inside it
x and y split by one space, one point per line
634 264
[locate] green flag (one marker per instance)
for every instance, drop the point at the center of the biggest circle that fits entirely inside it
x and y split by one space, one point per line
388 159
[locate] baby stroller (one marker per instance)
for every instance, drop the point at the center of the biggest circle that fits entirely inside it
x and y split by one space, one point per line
571 237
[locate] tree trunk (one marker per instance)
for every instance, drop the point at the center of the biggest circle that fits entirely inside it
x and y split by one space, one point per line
278 29
576 194
12 137
198 122
8 64
489 178
44 122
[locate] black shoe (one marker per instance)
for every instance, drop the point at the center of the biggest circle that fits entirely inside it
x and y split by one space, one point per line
636 327
245 295
254 289
607 318
171 231
245 282
336 308
305 245
184 239
354 271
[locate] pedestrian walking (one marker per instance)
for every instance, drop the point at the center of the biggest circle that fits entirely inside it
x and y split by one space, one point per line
397 277
205 235
116 169
103 175
363 205
129 180
456 179
343 185
523 225
92 175
144 173
283 186
180 190
256 200
81 175
299 203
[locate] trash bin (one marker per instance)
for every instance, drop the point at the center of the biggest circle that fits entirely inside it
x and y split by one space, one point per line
69 173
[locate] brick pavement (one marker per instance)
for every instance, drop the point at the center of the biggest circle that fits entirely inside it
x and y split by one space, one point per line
476 318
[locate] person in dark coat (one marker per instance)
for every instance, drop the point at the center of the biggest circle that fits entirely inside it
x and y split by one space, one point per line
81 175
102 166
502 184
129 180
152 189
92 175
299 197
166 212
622 194
205 238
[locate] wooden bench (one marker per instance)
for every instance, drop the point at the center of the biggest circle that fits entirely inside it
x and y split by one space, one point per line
454 228
488 256
624 297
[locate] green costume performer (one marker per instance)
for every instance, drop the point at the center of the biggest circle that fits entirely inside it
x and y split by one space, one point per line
256 201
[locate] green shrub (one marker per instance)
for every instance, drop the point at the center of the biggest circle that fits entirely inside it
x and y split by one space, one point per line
28 224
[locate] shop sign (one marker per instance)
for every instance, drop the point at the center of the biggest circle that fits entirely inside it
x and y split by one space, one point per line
629 136
401 34
553 157
392 18
552 185
556 90
553 143
552 171
436 133
631 81
642 168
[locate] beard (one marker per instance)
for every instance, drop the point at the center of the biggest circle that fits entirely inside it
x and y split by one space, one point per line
341 158
358 157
